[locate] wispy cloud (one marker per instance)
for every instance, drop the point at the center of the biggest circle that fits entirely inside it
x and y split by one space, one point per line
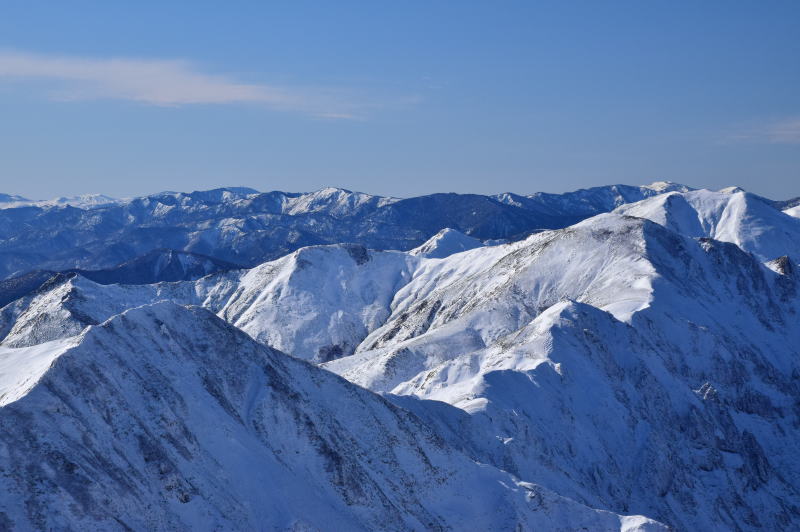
786 131
169 83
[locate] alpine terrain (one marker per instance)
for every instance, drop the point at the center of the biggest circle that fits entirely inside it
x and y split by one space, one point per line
617 358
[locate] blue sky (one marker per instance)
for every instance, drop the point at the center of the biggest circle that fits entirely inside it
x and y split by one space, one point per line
398 98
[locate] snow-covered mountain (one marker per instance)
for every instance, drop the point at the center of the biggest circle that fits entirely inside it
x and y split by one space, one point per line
591 201
160 265
7 200
615 362
642 361
445 243
730 215
86 201
245 227
199 427
317 303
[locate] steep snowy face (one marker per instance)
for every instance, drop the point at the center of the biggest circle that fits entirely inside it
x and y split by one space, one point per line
474 299
601 415
445 243
167 418
793 211
21 368
618 264
42 317
317 303
669 391
730 216
23 285
66 305
484 294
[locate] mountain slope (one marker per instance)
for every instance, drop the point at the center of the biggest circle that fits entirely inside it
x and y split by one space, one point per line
161 265
317 303
732 216
199 426
694 359
22 285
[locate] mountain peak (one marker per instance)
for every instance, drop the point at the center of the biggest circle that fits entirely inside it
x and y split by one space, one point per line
730 215
329 191
445 243
666 186
11 198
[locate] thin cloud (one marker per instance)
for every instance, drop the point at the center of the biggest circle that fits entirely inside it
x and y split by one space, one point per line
785 131
168 83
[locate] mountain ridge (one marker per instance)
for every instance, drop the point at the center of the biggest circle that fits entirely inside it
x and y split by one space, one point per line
241 226
157 450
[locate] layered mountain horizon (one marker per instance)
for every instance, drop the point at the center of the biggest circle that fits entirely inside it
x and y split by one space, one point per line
615 358
243 227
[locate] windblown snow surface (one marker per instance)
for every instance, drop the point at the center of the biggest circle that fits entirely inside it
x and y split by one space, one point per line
639 362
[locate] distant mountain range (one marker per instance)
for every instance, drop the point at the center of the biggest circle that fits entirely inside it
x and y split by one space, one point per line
245 227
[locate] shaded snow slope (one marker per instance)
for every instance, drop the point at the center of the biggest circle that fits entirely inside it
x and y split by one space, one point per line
587 202
167 418
317 303
161 265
